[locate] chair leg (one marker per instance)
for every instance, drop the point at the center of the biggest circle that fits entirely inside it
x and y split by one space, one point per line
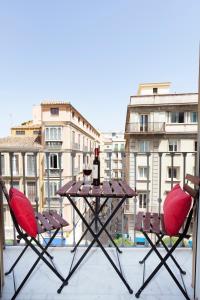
42 248
21 254
151 250
163 262
174 260
16 261
40 256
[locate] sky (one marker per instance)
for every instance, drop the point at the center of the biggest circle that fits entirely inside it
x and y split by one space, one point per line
93 54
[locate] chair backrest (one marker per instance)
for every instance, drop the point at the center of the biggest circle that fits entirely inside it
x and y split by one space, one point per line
194 192
5 192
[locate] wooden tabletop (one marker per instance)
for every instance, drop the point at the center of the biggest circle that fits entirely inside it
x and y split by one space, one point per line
113 188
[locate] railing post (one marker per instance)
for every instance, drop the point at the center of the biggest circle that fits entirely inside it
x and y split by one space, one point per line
172 169
160 182
48 181
135 171
134 219
11 185
23 173
60 185
110 158
184 166
73 211
2 228
36 182
11 168
123 157
148 200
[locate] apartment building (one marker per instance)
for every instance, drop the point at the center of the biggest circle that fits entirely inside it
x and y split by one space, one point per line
44 153
161 143
112 155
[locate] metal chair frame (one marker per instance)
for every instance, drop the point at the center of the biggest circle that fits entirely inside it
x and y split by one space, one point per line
30 243
180 237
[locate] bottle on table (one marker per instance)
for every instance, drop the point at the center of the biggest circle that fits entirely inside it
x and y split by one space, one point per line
96 168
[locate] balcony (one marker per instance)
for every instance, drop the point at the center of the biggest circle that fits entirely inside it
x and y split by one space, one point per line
122 229
75 146
53 172
54 144
87 283
150 127
85 149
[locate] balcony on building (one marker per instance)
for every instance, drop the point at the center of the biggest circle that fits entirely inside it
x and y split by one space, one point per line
75 146
85 149
148 128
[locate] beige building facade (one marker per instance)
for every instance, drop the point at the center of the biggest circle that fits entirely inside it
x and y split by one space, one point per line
43 154
161 143
112 155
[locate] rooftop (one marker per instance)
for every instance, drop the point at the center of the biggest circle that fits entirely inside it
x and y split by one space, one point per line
95 277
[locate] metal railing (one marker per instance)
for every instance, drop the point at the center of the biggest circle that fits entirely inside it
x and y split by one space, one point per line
151 174
154 127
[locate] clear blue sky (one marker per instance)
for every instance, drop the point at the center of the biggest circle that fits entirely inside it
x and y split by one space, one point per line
93 54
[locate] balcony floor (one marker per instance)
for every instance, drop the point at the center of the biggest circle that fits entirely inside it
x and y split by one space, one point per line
95 278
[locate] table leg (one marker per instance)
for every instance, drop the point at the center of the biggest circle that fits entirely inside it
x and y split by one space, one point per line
100 209
96 238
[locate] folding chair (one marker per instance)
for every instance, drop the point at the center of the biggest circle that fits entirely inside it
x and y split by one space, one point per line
46 221
148 223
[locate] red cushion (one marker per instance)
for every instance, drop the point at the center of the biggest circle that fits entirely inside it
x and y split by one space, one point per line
176 207
23 212
176 186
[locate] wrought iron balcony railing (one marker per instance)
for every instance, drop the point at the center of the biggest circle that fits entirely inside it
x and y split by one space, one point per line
152 174
150 127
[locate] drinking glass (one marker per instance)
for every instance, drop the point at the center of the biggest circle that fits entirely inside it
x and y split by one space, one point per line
87 170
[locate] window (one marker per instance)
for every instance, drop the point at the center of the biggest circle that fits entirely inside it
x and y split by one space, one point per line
142 200
142 172
79 119
73 137
116 174
53 134
144 120
53 187
30 165
177 117
54 111
36 132
122 147
195 145
53 161
144 146
20 132
15 164
31 191
193 117
116 147
173 145
79 163
73 114
79 139
115 166
2 165
173 172
155 90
